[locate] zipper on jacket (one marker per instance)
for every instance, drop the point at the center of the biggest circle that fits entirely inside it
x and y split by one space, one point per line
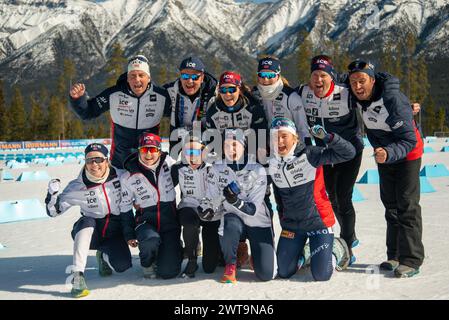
286 179
109 211
137 117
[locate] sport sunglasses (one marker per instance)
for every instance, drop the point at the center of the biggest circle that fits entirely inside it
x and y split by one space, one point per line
187 76
149 149
97 160
224 90
268 75
192 152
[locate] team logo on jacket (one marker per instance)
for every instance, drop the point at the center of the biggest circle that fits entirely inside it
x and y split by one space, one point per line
153 97
337 96
315 112
239 117
377 109
290 166
116 184
398 125
280 96
287 234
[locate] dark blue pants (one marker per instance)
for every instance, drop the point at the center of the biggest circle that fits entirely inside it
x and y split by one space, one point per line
340 179
400 193
211 245
114 246
164 248
291 246
261 243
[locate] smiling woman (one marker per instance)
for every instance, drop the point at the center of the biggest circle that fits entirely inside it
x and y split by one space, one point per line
99 227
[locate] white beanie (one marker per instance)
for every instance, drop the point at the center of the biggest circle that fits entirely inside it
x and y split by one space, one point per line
139 63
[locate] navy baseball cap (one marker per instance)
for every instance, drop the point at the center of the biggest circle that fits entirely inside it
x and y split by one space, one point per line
269 63
193 63
361 66
96 147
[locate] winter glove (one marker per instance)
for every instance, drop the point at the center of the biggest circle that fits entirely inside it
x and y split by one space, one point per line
319 132
54 186
231 192
205 210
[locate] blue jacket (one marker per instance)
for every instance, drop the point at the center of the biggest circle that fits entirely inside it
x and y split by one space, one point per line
389 120
298 182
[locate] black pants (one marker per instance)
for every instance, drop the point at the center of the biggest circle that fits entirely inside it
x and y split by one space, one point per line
211 245
400 193
340 179
114 245
164 248
261 241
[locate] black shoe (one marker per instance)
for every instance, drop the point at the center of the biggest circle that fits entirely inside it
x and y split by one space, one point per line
389 265
190 269
403 271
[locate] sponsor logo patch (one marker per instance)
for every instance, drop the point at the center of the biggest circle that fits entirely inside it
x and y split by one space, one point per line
287 234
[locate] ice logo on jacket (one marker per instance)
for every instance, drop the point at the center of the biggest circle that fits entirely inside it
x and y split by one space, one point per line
247 180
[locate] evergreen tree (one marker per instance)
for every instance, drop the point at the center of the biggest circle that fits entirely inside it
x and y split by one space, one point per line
36 121
163 75
411 82
423 78
388 57
305 52
441 119
216 67
90 133
17 115
115 65
340 58
4 119
429 117
55 129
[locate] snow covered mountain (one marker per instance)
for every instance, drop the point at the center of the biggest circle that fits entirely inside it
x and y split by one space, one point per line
35 35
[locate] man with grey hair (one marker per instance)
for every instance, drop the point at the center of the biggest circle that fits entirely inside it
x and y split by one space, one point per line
136 105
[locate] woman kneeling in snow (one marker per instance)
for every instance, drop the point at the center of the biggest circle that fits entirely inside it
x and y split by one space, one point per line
97 191
305 211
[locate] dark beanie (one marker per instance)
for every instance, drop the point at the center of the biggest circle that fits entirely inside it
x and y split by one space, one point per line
98 147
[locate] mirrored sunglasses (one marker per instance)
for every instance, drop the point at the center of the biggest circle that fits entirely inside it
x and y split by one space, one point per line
187 76
97 160
267 75
225 90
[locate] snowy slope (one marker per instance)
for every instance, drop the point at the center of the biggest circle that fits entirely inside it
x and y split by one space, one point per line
34 35
32 266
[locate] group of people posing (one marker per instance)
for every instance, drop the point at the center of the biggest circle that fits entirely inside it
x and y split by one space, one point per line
231 147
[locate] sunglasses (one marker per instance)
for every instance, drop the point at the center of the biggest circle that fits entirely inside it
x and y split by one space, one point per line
97 160
224 90
268 75
192 152
149 149
359 65
187 76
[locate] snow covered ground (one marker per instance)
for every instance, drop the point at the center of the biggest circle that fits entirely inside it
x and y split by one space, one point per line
36 254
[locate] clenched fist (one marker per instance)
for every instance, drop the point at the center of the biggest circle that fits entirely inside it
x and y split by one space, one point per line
77 90
380 155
